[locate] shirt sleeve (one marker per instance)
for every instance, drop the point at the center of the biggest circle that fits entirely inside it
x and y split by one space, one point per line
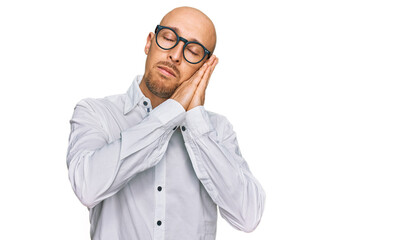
219 165
97 168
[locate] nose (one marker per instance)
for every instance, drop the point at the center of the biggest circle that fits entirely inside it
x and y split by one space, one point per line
176 53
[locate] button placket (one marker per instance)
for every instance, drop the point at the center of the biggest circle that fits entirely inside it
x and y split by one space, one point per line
160 199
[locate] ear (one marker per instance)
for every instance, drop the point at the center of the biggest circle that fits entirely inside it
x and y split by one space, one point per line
148 43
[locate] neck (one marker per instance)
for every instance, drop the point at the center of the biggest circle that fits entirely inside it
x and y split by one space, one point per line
155 101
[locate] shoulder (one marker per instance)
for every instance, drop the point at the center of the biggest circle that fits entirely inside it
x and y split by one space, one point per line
102 104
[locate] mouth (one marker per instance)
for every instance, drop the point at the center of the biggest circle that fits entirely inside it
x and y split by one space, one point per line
166 71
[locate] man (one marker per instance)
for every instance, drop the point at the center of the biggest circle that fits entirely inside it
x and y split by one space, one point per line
153 163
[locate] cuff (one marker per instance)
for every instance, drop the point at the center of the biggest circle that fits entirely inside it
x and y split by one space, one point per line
197 121
169 112
159 122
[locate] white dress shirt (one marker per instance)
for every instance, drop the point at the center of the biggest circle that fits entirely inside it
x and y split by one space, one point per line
158 173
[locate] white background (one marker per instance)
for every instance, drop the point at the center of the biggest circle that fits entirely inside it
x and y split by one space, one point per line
320 93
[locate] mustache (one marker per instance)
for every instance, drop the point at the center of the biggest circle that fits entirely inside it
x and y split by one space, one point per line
170 65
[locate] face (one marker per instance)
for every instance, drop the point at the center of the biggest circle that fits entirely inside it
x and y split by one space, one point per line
165 70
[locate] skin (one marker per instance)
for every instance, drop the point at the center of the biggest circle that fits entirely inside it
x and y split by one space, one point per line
186 83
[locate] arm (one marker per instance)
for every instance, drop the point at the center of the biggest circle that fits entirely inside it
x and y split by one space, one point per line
220 167
218 163
98 169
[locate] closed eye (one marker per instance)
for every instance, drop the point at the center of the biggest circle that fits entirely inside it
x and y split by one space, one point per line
169 39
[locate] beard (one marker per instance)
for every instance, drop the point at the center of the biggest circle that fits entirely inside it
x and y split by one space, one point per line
157 86
160 85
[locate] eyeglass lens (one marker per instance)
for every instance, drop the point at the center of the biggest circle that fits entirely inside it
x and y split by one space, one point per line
167 39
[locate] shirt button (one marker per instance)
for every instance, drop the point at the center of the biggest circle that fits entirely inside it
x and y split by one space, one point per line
159 188
145 103
159 223
183 128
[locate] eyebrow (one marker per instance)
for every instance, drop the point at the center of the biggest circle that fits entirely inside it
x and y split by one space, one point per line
189 39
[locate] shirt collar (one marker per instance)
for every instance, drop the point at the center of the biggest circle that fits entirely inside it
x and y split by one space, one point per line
134 95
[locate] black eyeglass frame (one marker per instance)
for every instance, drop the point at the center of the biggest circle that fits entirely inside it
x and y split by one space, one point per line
186 42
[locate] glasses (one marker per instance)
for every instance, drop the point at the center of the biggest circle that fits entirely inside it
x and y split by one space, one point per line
193 52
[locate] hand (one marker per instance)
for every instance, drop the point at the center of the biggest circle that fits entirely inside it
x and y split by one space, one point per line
186 91
199 95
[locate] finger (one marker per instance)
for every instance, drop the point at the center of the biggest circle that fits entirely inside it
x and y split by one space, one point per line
212 64
204 82
199 93
211 60
212 68
202 70
192 83
195 79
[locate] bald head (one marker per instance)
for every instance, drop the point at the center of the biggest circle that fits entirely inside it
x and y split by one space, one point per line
167 68
192 22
